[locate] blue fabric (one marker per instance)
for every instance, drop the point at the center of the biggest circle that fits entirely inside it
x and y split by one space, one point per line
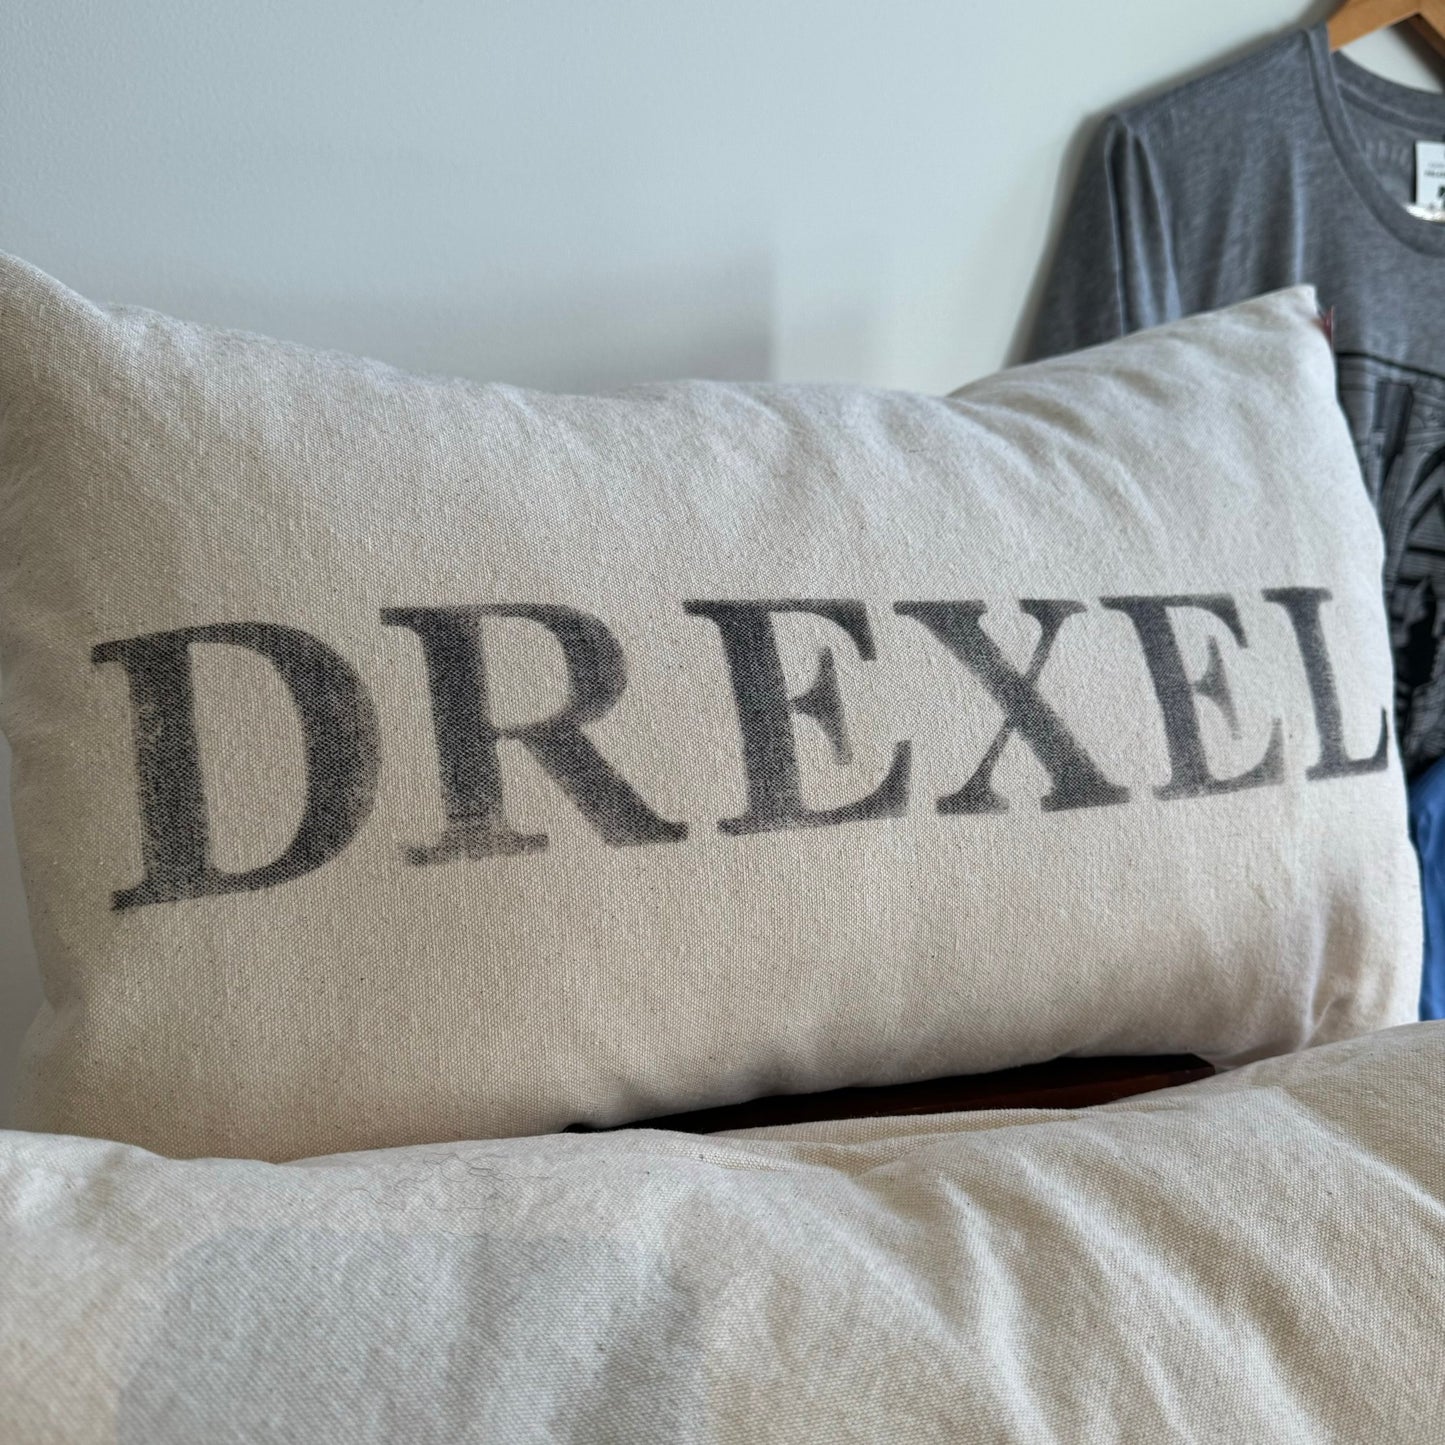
1427 828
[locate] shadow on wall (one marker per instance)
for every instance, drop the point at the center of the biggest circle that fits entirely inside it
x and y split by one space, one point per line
19 981
601 332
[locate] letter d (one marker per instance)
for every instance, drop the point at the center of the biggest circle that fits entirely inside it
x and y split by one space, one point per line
338 727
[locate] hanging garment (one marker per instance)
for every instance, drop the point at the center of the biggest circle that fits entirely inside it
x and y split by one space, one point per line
1427 828
1294 165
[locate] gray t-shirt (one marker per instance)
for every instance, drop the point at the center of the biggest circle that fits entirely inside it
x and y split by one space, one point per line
1292 165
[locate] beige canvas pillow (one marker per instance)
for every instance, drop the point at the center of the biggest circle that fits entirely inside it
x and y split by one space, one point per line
1255 1259
402 759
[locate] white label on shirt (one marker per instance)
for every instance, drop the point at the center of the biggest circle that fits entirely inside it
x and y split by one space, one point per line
1430 175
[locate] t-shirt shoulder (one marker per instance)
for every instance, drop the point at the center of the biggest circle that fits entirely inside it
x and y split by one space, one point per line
1264 85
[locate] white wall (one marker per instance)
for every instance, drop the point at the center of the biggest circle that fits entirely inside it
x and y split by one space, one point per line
573 193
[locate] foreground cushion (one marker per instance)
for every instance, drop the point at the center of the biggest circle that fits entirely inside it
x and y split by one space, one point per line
402 759
1255 1258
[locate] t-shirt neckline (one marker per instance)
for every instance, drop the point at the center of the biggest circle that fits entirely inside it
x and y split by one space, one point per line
1336 75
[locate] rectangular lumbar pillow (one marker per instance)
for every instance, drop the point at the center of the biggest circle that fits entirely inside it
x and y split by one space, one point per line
402 759
569 1290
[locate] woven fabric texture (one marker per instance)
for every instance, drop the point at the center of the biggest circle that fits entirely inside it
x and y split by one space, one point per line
1256 1258
401 759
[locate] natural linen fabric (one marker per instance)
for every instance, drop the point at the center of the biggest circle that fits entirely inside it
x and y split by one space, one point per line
402 759
1255 1258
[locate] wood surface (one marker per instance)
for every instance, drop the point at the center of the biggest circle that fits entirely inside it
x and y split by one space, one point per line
1357 18
1062 1084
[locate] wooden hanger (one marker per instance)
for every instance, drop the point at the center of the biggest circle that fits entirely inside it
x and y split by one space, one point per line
1357 18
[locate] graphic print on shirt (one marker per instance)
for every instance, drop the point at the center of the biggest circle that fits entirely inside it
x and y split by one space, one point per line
1397 416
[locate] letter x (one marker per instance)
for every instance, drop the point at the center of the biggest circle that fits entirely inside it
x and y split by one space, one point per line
1077 783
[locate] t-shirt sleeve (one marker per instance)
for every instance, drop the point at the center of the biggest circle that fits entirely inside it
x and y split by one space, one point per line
1112 269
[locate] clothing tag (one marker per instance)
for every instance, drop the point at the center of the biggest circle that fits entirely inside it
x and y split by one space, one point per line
1430 175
